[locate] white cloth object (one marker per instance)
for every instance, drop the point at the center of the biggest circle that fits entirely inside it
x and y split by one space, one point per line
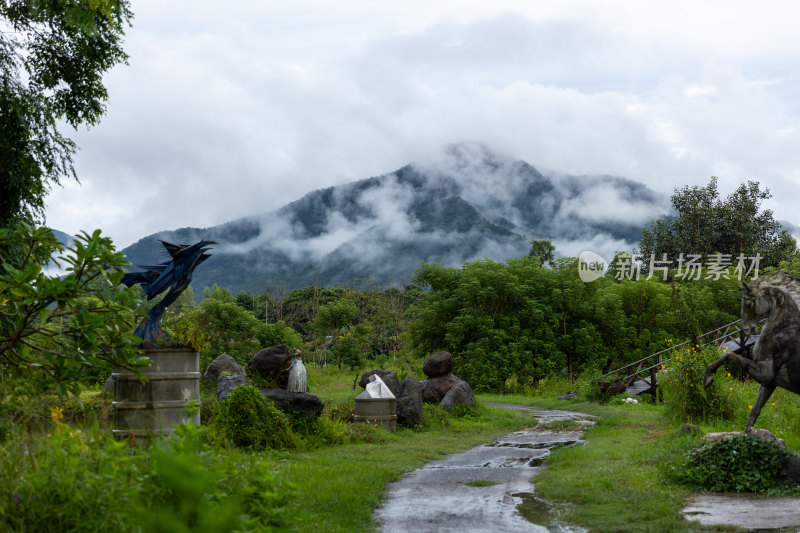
297 377
376 388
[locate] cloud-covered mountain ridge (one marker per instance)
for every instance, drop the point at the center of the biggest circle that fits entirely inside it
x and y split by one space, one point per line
465 203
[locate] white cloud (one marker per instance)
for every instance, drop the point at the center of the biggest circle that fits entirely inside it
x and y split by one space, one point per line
230 112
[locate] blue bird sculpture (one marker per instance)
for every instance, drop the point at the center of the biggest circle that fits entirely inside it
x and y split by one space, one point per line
172 275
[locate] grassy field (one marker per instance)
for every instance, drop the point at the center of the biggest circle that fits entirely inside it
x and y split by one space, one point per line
614 482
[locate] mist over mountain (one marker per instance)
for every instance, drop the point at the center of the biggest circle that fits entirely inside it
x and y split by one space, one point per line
465 203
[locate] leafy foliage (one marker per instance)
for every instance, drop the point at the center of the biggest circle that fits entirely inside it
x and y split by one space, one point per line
216 326
85 480
51 68
249 420
64 327
685 397
706 224
741 464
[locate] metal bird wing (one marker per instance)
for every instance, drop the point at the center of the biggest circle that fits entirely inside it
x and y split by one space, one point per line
172 275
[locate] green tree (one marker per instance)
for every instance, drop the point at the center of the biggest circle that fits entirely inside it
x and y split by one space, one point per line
493 317
332 320
705 224
543 250
215 327
64 327
53 55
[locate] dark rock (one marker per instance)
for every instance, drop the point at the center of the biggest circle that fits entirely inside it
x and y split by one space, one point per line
409 402
460 394
569 396
612 388
108 386
298 403
388 376
226 384
223 364
791 469
691 429
273 365
434 389
438 364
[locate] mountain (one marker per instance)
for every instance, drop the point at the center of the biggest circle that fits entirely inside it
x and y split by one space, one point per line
467 203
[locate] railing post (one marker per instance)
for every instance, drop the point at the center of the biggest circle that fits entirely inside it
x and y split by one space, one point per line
653 383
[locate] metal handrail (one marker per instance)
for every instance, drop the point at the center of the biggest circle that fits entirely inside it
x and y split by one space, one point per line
641 371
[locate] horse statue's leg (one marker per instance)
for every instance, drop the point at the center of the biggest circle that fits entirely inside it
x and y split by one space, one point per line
764 392
708 377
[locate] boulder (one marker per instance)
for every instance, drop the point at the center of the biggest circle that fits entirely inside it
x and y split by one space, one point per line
226 384
298 403
460 394
569 396
409 402
691 429
273 365
762 434
612 388
222 364
791 469
438 364
387 376
434 389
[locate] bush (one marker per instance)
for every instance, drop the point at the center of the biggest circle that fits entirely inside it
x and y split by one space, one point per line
741 464
433 416
685 397
342 412
364 432
317 431
249 420
84 480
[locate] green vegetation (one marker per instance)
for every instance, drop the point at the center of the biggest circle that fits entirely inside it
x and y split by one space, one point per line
481 483
83 480
63 327
249 420
639 457
624 491
685 396
706 225
51 66
528 326
67 478
736 464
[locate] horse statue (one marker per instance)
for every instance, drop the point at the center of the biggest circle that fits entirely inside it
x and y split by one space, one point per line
776 354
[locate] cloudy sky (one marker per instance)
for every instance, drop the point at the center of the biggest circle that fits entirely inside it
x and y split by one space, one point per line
236 109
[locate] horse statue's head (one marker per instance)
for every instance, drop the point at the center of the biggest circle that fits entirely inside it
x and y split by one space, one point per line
754 306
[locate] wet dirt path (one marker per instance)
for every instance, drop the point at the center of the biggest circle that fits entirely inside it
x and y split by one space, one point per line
486 488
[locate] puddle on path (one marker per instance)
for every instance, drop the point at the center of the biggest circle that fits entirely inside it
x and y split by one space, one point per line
755 513
487 488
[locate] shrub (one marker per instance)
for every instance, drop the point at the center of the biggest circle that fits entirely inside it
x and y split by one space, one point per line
84 480
433 416
342 412
364 432
318 431
685 397
249 420
741 464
